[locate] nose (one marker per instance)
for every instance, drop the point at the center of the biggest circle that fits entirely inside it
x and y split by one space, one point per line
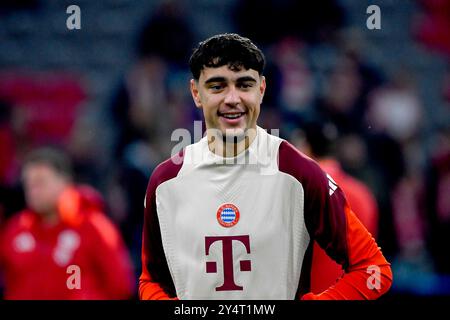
232 97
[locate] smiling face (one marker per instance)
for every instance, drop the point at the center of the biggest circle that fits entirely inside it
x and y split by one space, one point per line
230 99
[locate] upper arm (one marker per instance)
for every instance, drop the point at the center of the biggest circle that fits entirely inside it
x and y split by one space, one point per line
155 280
328 217
325 214
324 202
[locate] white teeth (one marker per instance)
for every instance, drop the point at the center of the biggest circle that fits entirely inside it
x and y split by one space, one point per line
232 116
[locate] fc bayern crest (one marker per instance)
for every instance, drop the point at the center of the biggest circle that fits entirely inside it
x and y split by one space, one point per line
228 215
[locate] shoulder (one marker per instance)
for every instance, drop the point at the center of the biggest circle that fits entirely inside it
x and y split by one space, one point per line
20 221
298 165
167 169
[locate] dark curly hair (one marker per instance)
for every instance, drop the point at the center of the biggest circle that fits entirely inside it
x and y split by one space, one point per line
226 49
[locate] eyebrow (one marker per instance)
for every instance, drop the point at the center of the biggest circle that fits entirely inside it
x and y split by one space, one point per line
245 79
222 79
215 79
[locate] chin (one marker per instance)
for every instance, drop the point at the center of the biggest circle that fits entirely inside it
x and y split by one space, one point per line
234 133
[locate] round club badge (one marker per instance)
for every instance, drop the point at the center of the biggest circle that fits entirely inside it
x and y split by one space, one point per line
228 215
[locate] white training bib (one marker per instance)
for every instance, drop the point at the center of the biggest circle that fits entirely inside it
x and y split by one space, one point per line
233 231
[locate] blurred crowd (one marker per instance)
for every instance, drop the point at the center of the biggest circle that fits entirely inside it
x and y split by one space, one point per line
322 86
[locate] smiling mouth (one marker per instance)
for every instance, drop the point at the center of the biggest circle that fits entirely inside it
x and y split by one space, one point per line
231 115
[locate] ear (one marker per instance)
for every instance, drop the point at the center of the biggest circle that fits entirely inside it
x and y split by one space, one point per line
262 87
195 93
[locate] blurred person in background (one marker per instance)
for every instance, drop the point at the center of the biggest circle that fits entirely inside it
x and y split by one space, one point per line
396 117
318 140
296 81
437 200
312 22
345 90
148 89
64 226
11 195
432 25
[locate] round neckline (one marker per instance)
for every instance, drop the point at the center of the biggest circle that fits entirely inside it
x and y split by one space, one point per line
250 148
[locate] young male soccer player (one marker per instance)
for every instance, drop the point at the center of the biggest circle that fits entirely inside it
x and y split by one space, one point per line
234 216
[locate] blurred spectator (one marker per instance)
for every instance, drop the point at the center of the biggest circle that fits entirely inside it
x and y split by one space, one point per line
64 225
141 140
36 108
309 21
395 108
344 97
446 89
167 35
87 148
8 154
394 117
437 200
11 196
386 160
433 25
296 83
319 142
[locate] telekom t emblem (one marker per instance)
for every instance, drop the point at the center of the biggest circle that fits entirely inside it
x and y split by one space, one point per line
227 252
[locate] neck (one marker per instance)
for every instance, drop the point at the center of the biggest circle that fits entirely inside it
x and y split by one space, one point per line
230 146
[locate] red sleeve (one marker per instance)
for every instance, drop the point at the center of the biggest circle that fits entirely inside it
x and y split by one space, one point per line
111 258
151 288
155 282
148 288
367 275
336 229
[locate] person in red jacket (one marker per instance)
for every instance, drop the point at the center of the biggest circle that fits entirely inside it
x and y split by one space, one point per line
62 246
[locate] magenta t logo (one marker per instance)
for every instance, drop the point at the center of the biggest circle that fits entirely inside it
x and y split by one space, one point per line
227 251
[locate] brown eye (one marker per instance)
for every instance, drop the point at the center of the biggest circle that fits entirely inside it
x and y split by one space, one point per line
245 85
216 87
